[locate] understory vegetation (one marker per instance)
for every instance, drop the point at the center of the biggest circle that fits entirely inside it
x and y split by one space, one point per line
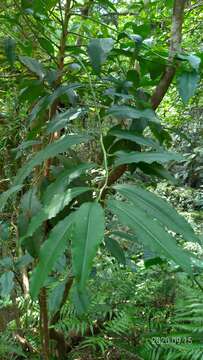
101 180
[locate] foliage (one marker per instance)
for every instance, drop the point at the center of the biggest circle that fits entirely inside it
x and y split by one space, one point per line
79 129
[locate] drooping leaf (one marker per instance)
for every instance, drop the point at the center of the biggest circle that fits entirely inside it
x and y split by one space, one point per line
106 4
159 209
26 144
157 170
123 157
98 50
51 150
187 83
88 233
33 65
4 231
150 233
51 209
9 47
55 297
61 119
129 135
50 251
194 60
48 100
7 194
115 250
64 179
46 45
29 207
127 112
6 283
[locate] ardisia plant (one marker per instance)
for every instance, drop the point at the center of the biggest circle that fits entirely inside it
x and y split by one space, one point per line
91 90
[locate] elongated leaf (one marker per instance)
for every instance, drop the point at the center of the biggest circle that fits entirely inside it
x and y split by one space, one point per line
60 120
50 251
187 84
10 47
49 151
88 233
98 50
6 283
150 233
194 60
64 179
57 203
48 100
159 209
56 296
147 157
26 144
33 65
115 250
46 45
127 112
129 135
7 194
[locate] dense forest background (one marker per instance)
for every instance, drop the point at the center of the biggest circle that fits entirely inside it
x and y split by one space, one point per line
101 179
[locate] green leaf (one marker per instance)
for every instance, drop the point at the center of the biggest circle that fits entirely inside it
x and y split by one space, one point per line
7 194
46 45
187 83
106 4
51 150
159 209
98 50
29 207
56 296
50 251
61 119
6 283
129 135
127 112
150 233
88 233
50 210
64 179
48 100
33 65
9 47
194 60
115 250
4 231
123 157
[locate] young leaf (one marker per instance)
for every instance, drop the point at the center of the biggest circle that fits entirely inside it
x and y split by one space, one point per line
123 157
187 83
150 233
50 251
98 50
159 209
87 234
50 210
51 150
